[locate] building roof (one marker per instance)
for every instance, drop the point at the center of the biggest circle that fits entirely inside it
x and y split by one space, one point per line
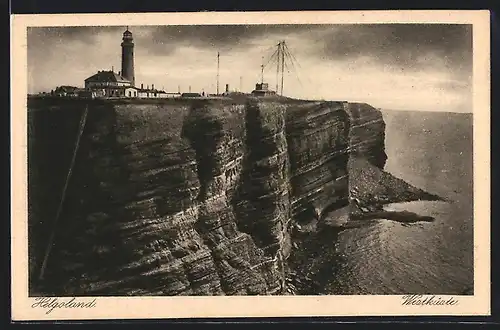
107 76
145 90
127 32
263 92
66 88
190 94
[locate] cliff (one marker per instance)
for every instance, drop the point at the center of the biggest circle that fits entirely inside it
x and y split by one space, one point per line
200 197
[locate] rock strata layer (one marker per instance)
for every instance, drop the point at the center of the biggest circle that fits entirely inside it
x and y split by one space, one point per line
187 198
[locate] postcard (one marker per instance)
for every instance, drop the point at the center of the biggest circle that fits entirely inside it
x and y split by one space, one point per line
250 164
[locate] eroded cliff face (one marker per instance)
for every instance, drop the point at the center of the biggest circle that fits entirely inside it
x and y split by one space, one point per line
318 139
196 198
367 133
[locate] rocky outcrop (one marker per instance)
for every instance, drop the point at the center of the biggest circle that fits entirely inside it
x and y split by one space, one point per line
370 188
192 197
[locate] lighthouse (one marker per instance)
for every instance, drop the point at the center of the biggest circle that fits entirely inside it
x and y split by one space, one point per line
128 57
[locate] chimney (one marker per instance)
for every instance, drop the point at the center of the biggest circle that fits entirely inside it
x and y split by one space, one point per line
227 88
142 86
152 86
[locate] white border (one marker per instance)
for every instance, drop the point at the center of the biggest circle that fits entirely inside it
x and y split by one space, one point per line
242 306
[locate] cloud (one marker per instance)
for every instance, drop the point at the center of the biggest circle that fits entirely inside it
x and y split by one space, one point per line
411 46
388 65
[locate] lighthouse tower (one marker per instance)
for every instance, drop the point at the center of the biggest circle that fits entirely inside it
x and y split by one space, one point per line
128 57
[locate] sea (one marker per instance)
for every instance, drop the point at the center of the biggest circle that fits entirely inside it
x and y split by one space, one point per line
432 151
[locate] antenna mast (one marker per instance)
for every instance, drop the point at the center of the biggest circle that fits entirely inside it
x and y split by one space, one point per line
262 71
278 66
282 57
218 55
282 64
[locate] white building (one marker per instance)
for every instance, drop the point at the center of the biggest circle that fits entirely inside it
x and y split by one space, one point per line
153 93
121 91
172 95
110 84
105 79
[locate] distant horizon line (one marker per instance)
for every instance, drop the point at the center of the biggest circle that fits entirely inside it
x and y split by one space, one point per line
413 110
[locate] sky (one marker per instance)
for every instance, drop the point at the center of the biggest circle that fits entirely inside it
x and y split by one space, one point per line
424 67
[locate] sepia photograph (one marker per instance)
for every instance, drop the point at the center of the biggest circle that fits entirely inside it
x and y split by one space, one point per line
274 159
